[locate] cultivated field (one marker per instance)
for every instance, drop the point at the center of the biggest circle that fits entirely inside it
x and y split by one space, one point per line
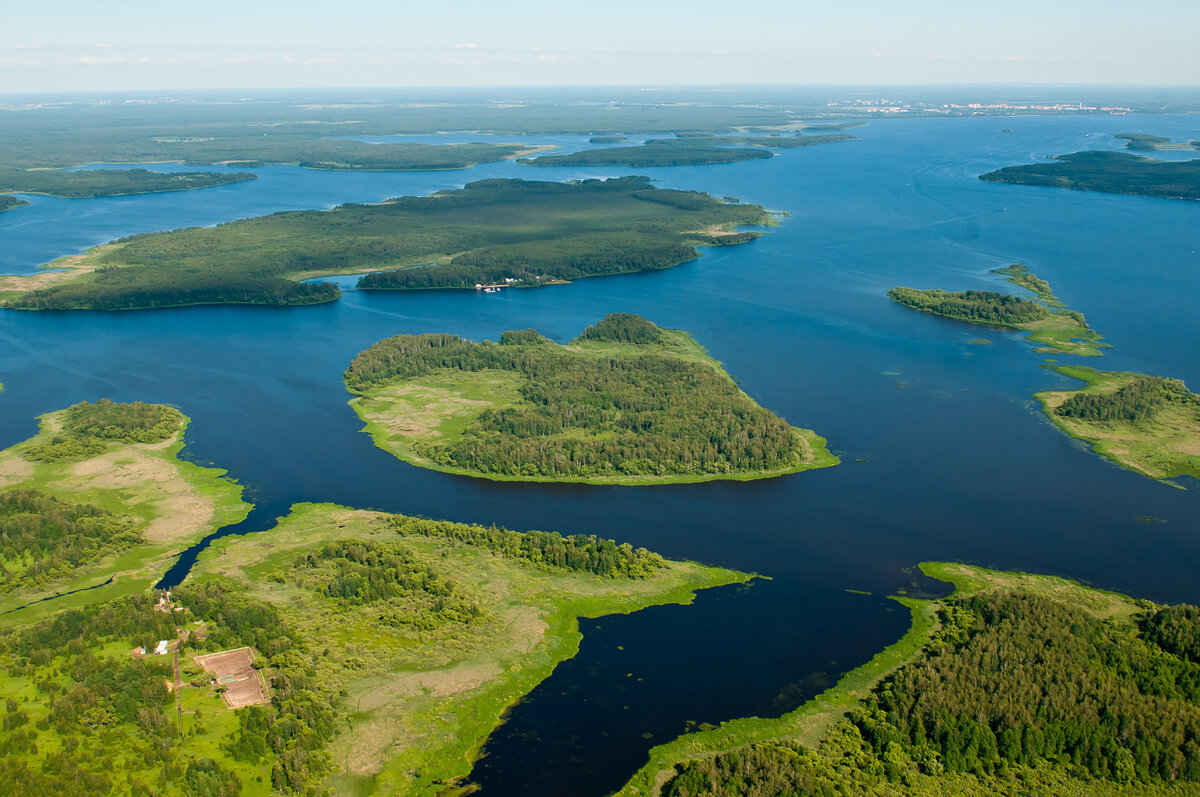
234 670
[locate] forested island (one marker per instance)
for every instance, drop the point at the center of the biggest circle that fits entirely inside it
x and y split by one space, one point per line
1047 320
374 653
1015 684
1145 142
687 150
626 402
515 233
109 182
100 492
11 202
1145 423
1110 172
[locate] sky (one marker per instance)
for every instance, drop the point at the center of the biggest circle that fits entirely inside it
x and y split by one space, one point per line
127 45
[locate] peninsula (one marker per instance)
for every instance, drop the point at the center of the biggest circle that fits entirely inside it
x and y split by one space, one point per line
99 501
1015 684
1144 423
514 233
1145 142
1047 321
109 182
690 150
11 203
343 651
626 402
1109 172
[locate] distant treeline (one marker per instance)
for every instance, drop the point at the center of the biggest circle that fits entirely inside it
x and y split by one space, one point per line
109 182
980 307
692 149
1111 172
43 537
580 553
87 429
585 414
1135 402
530 232
1017 691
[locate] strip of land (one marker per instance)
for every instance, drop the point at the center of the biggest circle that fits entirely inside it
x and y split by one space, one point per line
997 689
1109 172
109 182
11 203
688 150
121 503
1146 424
1145 142
506 233
1047 321
343 650
626 402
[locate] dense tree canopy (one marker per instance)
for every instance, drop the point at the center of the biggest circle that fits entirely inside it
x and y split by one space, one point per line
42 537
1014 682
641 410
981 307
1111 172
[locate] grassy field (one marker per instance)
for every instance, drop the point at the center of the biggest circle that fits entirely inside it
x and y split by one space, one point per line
419 706
174 501
1162 447
810 723
407 417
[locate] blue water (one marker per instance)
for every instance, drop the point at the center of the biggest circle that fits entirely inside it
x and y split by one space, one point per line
956 461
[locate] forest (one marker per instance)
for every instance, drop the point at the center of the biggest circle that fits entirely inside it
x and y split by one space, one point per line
689 150
412 590
1110 172
578 553
641 409
1137 401
109 182
1018 692
43 537
11 203
531 232
979 307
94 718
88 429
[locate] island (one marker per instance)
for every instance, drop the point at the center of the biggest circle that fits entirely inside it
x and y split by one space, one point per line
490 234
626 402
1015 684
1147 424
109 182
11 203
96 503
1147 143
607 139
1046 320
695 149
342 651
1109 172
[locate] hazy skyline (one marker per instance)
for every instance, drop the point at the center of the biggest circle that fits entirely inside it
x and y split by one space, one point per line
107 45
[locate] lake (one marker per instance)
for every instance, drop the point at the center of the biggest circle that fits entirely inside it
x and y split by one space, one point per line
944 453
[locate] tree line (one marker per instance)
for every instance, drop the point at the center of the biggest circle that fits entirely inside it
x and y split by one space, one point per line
1138 401
980 307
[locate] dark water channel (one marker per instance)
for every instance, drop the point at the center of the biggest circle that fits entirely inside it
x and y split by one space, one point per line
944 454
